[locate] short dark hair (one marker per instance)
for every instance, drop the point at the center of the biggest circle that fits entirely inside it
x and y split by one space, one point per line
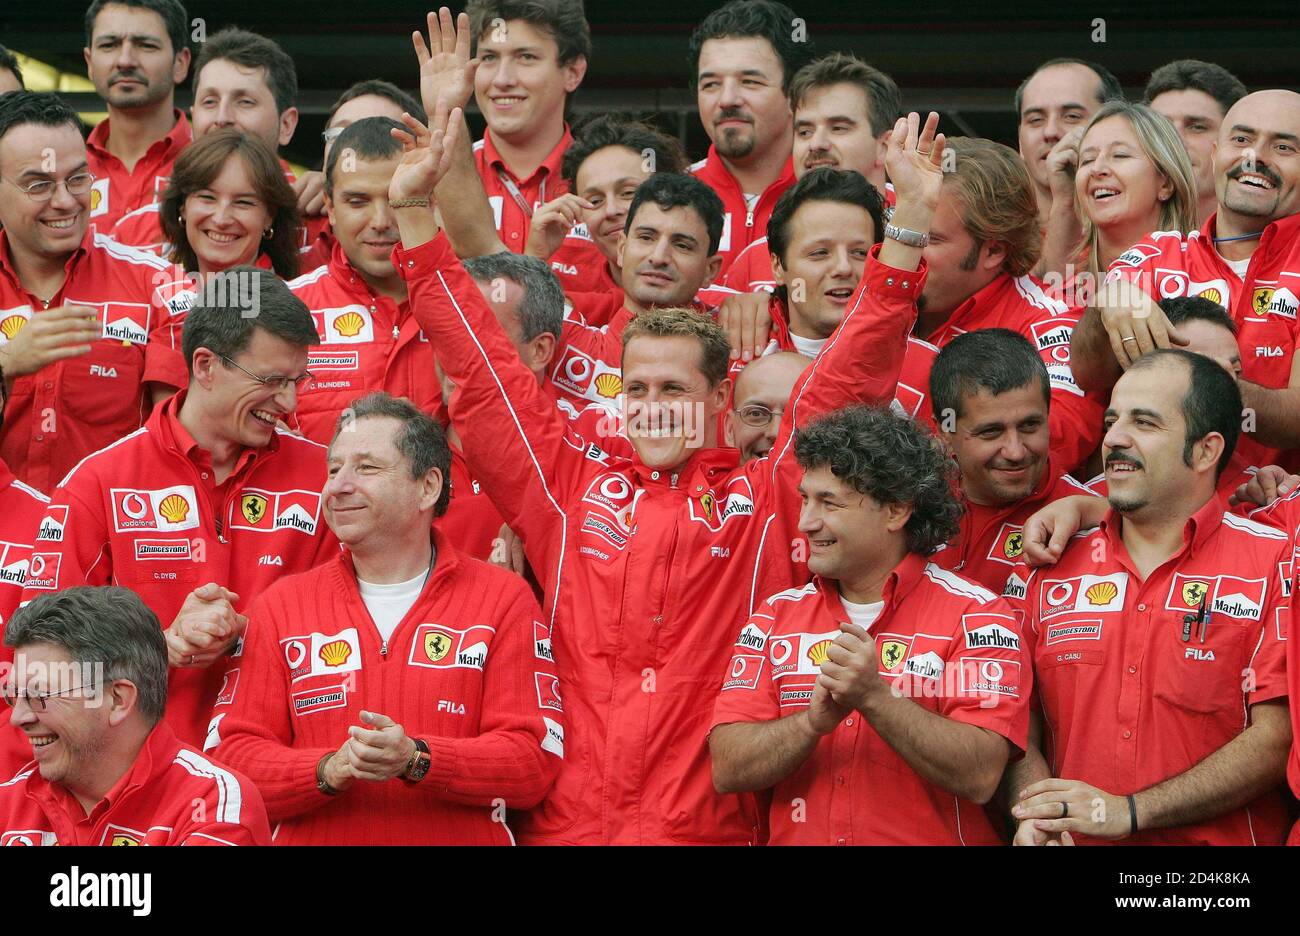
221 322
43 108
200 163
1196 309
608 130
884 100
541 310
992 359
892 459
249 50
107 625
1195 75
1110 90
10 61
759 19
843 186
564 20
379 88
1212 402
420 440
170 12
367 138
671 190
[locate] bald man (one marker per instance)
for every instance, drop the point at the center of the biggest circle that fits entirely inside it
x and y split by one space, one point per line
762 391
1246 258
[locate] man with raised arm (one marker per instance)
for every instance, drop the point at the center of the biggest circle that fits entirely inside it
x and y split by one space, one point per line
642 559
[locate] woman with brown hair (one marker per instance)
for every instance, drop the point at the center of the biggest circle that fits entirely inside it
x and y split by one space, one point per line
228 203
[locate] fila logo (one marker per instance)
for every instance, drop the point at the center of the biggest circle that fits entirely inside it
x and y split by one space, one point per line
98 370
270 561
720 552
451 707
566 268
1274 351
1195 653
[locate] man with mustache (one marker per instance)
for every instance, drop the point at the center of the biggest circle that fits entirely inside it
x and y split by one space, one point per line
745 58
1246 258
136 54
995 393
611 538
844 111
1141 633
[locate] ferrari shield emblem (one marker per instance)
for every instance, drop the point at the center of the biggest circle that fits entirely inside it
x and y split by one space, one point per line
1194 592
1014 544
706 501
253 507
892 653
437 645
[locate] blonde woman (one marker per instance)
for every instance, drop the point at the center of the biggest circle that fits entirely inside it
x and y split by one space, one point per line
1127 174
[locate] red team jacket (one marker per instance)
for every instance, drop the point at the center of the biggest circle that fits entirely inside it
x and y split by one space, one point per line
514 200
66 410
117 192
951 646
172 795
1128 702
740 226
646 572
1264 305
21 510
469 670
987 548
1020 304
146 514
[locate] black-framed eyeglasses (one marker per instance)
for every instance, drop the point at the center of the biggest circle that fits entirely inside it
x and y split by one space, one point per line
756 415
11 694
301 382
43 189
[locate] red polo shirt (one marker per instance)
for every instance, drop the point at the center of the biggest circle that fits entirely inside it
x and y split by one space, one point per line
68 409
148 514
741 225
948 644
988 547
1264 304
171 795
117 191
1127 702
1020 304
580 266
513 200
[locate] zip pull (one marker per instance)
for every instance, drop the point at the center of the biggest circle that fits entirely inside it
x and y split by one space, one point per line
749 217
396 331
383 649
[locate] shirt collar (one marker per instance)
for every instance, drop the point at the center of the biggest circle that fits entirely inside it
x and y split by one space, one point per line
1200 526
898 585
551 164
7 267
175 140
166 421
984 297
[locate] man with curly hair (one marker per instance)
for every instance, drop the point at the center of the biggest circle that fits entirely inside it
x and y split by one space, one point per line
882 701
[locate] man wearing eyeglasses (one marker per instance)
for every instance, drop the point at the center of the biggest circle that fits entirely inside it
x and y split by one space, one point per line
762 391
210 502
103 769
77 310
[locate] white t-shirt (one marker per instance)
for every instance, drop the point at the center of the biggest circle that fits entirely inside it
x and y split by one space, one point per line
863 615
751 201
388 604
1238 266
808 347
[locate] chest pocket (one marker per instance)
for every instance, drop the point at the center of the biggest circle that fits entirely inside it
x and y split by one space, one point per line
103 387
1266 349
1206 677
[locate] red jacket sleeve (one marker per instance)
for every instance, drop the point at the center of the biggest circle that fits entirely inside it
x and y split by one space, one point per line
83 556
253 734
517 753
859 364
228 811
516 442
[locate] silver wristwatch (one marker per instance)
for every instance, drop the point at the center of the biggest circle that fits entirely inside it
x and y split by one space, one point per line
905 236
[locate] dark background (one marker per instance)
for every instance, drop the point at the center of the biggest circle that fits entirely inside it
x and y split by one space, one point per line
963 59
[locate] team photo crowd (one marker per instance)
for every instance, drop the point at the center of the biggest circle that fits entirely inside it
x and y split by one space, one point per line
859 484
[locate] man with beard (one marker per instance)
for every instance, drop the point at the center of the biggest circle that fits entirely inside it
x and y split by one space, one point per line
1246 258
136 54
1142 630
745 58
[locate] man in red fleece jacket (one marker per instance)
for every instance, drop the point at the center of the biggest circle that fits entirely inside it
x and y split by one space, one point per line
88 691
403 694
